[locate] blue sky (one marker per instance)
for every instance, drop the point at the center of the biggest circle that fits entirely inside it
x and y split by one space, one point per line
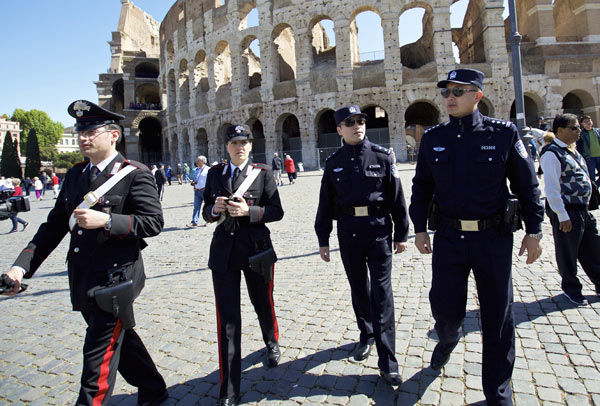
53 51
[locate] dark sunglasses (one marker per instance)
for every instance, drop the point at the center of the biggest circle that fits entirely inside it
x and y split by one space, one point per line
349 122
575 128
456 91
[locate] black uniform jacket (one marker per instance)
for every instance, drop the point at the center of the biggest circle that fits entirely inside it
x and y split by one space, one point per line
465 163
136 214
362 175
231 250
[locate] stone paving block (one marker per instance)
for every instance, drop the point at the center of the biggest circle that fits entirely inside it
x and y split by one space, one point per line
576 400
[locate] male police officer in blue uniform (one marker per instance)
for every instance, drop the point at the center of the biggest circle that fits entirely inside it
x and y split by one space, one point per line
360 189
462 168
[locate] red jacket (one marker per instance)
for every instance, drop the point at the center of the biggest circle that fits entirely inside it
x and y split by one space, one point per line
55 180
289 165
18 191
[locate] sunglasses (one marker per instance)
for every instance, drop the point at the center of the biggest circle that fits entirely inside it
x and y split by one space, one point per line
575 128
349 122
456 91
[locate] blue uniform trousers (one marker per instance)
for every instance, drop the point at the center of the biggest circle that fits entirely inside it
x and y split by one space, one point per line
372 296
489 254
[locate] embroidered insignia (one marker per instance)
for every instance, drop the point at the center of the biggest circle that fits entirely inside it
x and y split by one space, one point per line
395 172
81 106
101 200
115 169
239 129
250 202
338 169
520 147
352 109
439 149
488 147
452 75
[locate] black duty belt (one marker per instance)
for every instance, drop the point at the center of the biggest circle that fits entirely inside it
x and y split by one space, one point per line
471 225
362 211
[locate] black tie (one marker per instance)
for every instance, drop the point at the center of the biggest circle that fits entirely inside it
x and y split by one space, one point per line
236 173
93 174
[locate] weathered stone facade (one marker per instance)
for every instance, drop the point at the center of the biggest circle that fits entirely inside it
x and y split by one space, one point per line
209 76
131 85
14 128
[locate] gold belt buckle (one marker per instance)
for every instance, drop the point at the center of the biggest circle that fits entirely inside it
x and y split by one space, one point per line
90 198
361 211
469 225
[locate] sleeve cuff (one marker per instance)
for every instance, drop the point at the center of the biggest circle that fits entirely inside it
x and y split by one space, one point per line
121 225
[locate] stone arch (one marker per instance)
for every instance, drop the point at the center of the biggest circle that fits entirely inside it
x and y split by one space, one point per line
175 158
146 96
146 70
469 38
249 14
201 72
170 52
184 89
186 147
578 101
328 139
418 117
417 53
323 44
288 129
117 102
486 107
222 71
150 140
258 140
285 49
201 140
251 72
378 130
171 92
167 151
375 32
532 108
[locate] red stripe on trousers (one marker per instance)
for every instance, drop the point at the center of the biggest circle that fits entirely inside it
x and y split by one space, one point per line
219 343
272 304
105 366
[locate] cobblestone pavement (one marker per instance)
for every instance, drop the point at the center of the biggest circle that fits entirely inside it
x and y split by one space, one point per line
558 345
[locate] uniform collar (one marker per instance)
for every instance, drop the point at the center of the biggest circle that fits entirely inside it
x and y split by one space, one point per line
102 165
357 147
472 119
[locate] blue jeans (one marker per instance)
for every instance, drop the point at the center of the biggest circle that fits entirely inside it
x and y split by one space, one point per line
198 199
593 164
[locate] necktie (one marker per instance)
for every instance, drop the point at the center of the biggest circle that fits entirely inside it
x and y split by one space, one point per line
236 173
94 173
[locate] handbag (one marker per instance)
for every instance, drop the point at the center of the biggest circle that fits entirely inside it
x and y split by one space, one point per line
262 263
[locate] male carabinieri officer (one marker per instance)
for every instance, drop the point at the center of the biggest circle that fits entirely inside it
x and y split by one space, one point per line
463 166
104 237
361 189
242 234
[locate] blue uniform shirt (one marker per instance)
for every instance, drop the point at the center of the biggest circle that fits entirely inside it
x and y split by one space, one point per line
465 163
362 175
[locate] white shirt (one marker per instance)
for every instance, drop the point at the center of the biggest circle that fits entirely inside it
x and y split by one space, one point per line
551 168
200 177
102 165
242 166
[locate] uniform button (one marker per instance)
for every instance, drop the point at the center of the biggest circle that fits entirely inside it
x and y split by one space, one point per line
462 237
337 179
115 265
79 232
436 159
76 249
489 159
352 159
458 136
231 233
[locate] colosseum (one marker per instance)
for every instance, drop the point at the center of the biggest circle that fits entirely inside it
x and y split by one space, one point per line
285 73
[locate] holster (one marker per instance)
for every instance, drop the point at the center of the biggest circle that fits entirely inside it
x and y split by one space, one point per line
116 297
511 218
433 212
262 263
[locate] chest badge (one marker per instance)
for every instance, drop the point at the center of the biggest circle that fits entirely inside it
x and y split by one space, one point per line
374 167
336 170
439 149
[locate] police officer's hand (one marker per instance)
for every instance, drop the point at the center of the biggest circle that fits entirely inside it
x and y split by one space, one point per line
220 205
238 208
15 275
533 247
324 253
399 247
423 242
565 226
90 219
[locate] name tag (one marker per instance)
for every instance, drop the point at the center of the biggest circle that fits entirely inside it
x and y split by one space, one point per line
374 167
488 147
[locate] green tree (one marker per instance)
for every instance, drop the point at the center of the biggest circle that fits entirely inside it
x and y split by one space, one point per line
33 162
68 159
10 166
48 132
48 152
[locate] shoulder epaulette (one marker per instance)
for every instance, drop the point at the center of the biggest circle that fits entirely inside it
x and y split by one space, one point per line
81 163
434 127
379 148
137 164
496 122
337 151
264 167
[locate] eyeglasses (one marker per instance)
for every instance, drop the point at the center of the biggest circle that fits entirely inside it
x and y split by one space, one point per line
349 122
456 91
91 133
575 128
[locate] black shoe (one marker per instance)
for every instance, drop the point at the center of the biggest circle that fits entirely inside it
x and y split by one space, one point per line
230 401
392 378
25 226
273 356
439 358
362 351
156 401
576 298
13 231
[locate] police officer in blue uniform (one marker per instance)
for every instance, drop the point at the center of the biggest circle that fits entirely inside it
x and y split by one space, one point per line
461 174
107 236
361 189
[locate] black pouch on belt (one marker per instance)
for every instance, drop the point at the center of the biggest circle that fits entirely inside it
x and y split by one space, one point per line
116 297
262 262
433 212
511 218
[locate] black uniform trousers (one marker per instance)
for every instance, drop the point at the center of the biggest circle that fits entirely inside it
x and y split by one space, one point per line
372 295
581 243
229 322
489 254
108 348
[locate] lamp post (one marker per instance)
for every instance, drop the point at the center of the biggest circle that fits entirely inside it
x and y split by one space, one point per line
516 63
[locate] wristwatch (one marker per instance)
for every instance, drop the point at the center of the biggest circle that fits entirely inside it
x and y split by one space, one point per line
108 224
537 236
